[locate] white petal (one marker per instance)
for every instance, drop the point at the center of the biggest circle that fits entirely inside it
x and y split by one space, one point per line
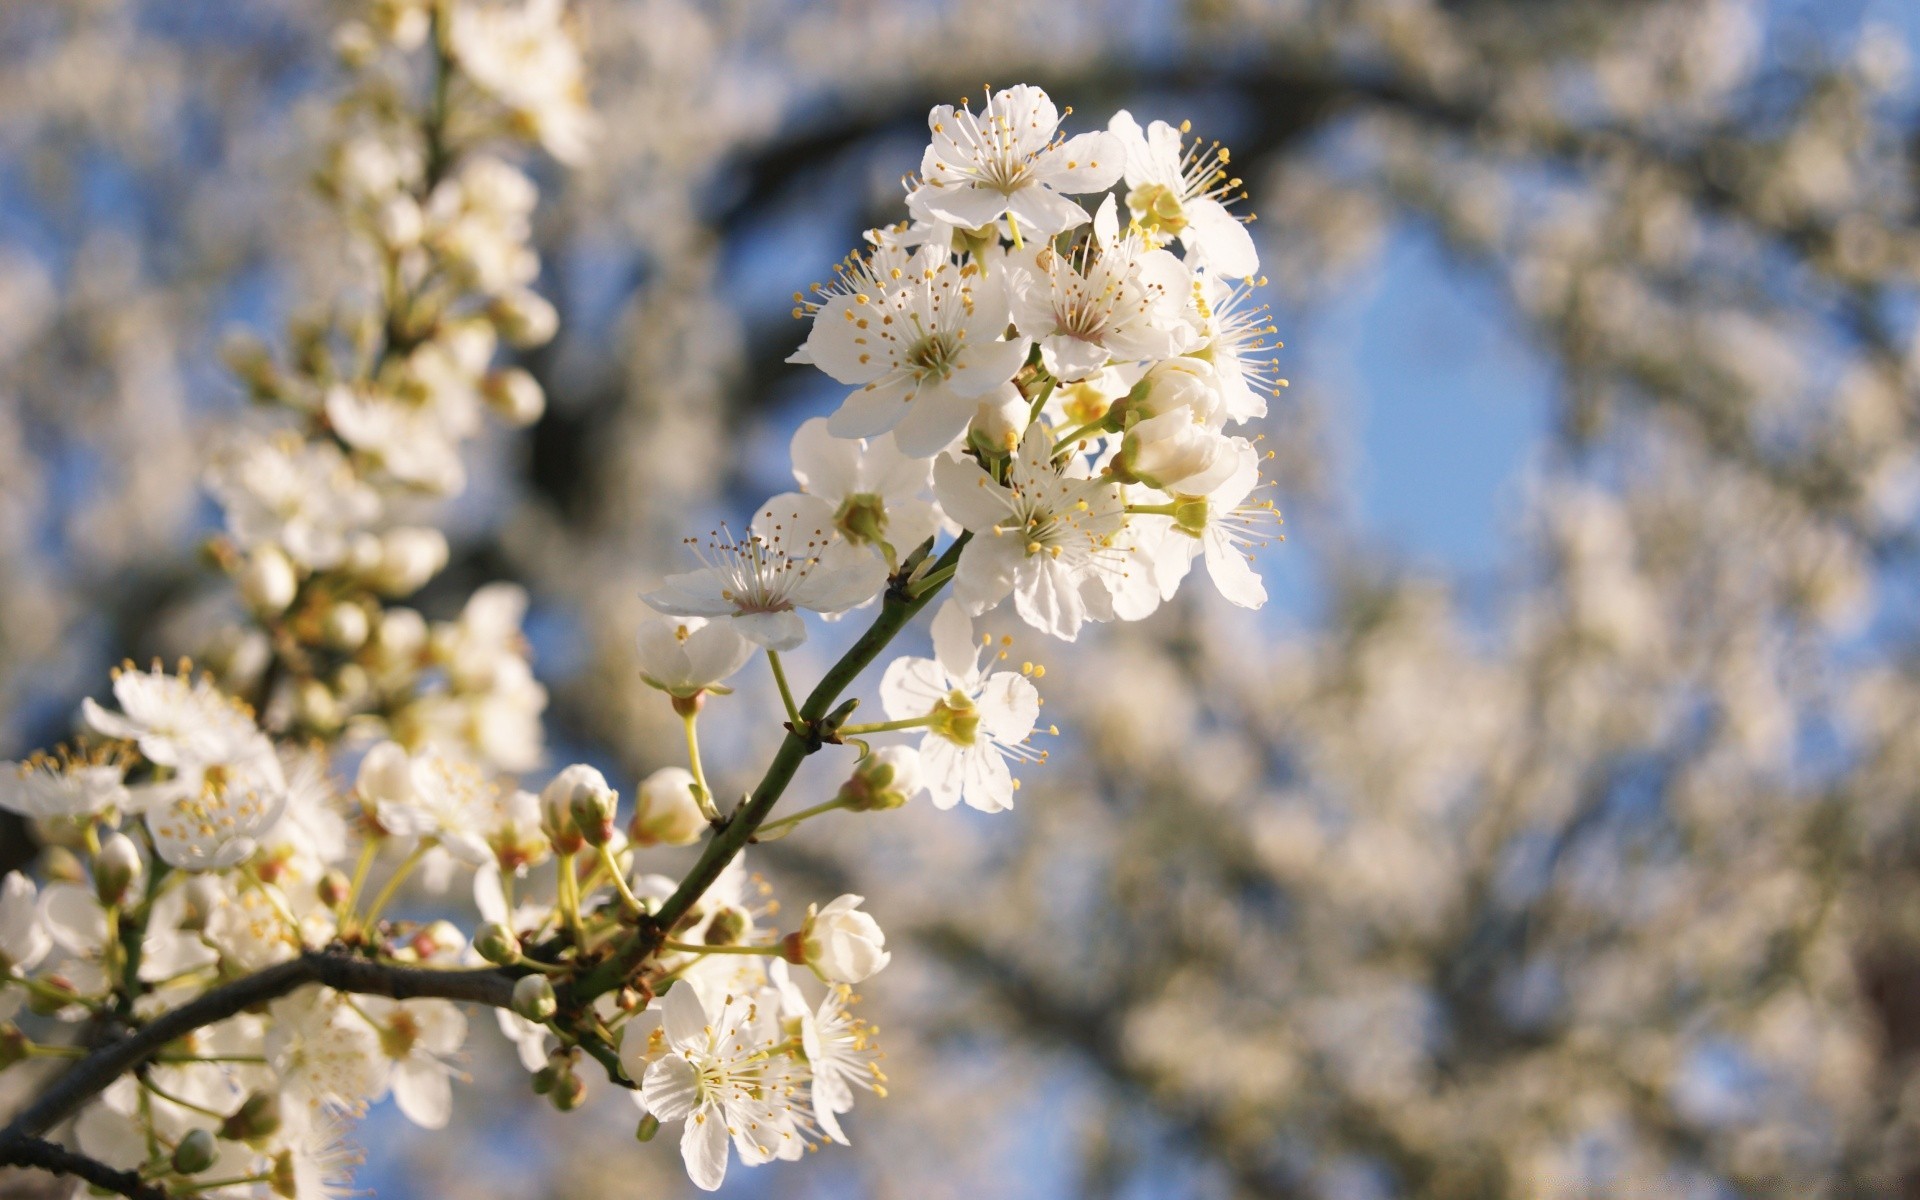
703 1147
1224 242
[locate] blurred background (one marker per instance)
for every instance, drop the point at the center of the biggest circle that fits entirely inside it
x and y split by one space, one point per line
1554 833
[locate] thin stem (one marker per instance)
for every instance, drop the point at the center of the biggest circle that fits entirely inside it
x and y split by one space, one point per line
45 1050
929 582
1073 435
569 900
48 990
627 899
1040 400
788 822
786 693
170 1098
232 1181
368 853
695 948
400 874
702 794
1158 510
886 726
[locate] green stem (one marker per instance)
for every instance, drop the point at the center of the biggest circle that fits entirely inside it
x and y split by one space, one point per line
1073 435
400 874
896 610
170 1098
210 1184
58 994
569 900
368 853
933 579
694 948
786 693
886 726
1040 400
627 898
1157 510
702 794
788 822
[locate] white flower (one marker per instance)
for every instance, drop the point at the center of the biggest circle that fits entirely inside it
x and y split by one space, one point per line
299 495
665 811
1007 161
979 720
414 443
716 1078
1184 193
72 914
47 789
1111 299
923 342
174 719
417 1037
323 1053
1046 535
1234 332
521 54
1222 525
684 656
794 559
840 1048
878 494
211 816
23 939
321 1160
425 795
840 943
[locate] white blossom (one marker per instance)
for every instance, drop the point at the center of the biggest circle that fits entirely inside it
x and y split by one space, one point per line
1183 192
1008 161
715 1077
979 721
684 656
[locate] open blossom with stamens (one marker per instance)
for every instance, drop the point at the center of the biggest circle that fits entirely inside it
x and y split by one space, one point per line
211 815
426 795
841 1049
417 1037
1008 161
716 1078
1046 535
174 718
922 341
1184 193
1223 525
978 721
878 494
1110 299
794 559
44 788
521 54
1234 330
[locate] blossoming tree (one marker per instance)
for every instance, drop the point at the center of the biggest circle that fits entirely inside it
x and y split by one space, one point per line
1045 361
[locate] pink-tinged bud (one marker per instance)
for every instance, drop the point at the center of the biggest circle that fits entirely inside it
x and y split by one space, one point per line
116 870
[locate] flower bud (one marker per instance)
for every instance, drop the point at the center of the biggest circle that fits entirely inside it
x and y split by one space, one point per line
399 221
195 1153
887 778
497 944
333 888
514 395
257 1119
363 554
402 637
317 707
648 1127
61 865
1176 383
13 1045
999 421
556 805
533 998
727 928
592 810
665 810
116 870
438 940
839 942
1174 453
347 626
409 556
569 1092
267 581
525 317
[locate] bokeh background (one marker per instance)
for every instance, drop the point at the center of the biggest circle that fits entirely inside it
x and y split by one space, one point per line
1554 833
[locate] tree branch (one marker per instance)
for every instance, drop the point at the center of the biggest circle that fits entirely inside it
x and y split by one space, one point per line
20 1151
342 972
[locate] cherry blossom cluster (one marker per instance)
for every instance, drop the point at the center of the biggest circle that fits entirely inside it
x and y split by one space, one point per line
324 497
1041 413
